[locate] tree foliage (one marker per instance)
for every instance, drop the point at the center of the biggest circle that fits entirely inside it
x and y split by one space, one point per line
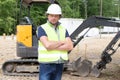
7 18
9 11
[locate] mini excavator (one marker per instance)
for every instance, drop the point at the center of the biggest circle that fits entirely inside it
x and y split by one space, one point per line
27 44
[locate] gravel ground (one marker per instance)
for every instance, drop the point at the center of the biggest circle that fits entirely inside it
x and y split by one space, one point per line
92 47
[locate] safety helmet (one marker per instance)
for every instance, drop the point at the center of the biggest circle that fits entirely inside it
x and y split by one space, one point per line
54 9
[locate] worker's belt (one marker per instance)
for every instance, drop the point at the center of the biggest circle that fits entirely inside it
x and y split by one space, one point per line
57 62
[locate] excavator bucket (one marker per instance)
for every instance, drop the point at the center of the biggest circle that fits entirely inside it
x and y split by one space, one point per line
82 68
95 72
85 67
76 63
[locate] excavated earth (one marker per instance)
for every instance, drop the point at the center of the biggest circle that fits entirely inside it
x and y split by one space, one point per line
89 48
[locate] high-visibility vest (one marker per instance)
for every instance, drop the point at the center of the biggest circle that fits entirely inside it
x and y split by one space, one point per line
44 55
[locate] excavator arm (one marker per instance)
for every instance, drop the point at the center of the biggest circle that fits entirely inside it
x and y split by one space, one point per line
106 56
91 22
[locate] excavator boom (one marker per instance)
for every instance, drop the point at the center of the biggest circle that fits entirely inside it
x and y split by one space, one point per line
93 21
106 56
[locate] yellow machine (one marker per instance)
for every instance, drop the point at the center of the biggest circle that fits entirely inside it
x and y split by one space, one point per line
24 35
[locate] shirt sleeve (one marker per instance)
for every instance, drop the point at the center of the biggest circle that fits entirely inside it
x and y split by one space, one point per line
41 32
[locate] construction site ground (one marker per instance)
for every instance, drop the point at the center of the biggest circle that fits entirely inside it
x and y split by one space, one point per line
89 48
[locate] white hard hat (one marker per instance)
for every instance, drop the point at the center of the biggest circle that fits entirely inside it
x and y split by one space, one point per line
54 9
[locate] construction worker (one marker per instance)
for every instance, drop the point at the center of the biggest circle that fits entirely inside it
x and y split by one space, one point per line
54 43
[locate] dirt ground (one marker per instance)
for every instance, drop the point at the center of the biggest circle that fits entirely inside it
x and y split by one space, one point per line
91 46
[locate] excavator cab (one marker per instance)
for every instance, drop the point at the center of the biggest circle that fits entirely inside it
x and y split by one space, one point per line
26 31
28 4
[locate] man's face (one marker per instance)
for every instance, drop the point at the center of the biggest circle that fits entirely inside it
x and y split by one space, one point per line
53 18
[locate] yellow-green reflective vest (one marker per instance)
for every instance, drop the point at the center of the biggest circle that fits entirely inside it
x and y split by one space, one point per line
44 55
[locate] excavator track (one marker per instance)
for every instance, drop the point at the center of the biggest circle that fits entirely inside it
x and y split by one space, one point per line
21 67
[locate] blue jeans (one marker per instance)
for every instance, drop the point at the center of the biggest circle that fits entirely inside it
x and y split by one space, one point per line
50 71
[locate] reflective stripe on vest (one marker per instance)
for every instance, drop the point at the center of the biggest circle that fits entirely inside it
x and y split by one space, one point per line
45 55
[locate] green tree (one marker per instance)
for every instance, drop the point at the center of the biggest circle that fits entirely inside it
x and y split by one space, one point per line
7 10
38 13
108 8
66 9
